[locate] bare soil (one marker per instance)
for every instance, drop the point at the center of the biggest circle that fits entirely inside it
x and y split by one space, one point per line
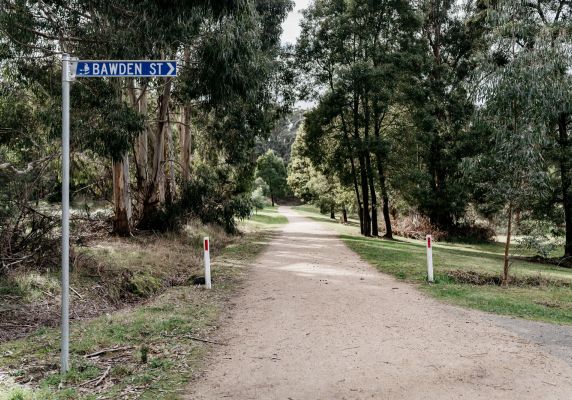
314 321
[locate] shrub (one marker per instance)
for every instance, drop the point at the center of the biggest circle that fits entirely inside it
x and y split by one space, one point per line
210 197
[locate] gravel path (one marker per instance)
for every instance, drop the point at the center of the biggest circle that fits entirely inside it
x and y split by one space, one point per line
316 322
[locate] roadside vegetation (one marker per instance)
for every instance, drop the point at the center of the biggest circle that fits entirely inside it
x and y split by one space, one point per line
467 274
156 165
150 348
447 118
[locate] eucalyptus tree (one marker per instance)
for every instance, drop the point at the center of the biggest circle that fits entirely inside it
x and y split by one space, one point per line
441 106
353 52
534 40
313 186
98 30
230 51
546 32
524 96
271 169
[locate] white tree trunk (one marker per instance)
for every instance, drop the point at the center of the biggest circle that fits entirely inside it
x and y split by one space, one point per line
121 196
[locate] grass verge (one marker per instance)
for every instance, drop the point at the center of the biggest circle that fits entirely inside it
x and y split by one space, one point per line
541 292
148 351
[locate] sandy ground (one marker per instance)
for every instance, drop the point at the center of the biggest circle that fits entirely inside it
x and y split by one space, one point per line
316 322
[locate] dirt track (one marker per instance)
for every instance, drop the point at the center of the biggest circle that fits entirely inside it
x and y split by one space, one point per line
316 322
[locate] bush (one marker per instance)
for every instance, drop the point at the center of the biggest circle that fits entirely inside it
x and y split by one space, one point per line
416 226
539 237
258 199
210 197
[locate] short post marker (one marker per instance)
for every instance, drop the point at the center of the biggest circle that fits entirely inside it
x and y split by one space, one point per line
429 259
207 263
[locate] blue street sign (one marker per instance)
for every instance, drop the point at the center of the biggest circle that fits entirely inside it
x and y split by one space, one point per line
124 68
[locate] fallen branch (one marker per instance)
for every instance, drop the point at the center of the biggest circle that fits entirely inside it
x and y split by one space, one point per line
103 376
198 339
104 351
97 380
203 340
31 165
76 292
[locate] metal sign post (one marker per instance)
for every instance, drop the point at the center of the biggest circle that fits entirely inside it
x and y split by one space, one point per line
65 211
72 68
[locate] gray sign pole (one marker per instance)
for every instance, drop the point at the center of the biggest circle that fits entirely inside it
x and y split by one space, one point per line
72 68
66 78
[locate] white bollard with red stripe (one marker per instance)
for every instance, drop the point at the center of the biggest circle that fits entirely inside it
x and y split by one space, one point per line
207 263
429 259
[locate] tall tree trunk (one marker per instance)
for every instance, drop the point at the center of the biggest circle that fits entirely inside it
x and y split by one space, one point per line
352 162
354 176
272 198
382 178
566 179
385 199
140 146
161 181
332 213
365 194
154 190
345 215
120 176
362 167
186 144
186 136
374 219
369 169
121 197
170 176
507 247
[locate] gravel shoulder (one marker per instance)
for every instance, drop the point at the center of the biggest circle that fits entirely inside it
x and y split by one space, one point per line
314 321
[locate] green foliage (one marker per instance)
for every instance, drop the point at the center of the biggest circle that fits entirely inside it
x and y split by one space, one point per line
441 107
282 136
271 169
258 195
539 237
207 196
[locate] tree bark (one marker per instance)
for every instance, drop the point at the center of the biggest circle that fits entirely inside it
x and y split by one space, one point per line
507 247
566 180
354 176
154 190
171 191
362 167
272 198
345 215
121 197
385 199
369 169
332 213
365 194
186 136
382 178
140 145
186 144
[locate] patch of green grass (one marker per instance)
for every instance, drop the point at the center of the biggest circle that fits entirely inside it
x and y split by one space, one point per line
268 215
406 260
162 328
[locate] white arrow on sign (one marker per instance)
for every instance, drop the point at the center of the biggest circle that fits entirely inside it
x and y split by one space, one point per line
172 67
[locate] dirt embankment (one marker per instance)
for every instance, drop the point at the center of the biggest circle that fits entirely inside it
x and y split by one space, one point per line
106 274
